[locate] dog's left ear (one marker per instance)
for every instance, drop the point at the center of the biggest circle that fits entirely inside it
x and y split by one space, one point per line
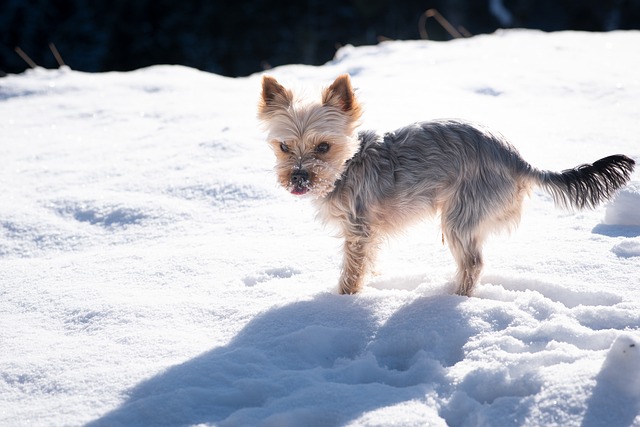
340 95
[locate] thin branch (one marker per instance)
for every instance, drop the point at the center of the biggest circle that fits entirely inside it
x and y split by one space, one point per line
26 58
56 54
433 13
464 31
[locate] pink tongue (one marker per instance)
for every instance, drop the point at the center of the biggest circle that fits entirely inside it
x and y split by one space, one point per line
299 190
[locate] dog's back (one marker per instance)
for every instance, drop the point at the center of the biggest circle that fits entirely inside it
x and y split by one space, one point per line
442 159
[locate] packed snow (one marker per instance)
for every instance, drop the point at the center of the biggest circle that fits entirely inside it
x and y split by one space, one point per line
152 272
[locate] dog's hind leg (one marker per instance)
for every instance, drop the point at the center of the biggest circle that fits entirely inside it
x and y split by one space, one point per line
463 233
468 255
467 251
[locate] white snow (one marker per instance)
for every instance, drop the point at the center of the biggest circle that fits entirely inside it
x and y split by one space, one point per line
623 210
153 273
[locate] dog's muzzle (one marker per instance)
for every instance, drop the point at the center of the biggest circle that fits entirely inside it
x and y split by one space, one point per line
299 182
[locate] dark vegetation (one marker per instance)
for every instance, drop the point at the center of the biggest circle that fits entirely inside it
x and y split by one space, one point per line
237 37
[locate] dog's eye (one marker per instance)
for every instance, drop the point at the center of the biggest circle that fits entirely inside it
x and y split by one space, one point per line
323 147
284 147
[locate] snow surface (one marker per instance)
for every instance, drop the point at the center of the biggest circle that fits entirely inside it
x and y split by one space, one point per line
152 272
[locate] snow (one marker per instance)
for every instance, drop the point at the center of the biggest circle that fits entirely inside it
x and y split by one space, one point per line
153 273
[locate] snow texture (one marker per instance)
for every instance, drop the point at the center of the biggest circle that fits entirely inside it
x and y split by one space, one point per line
153 273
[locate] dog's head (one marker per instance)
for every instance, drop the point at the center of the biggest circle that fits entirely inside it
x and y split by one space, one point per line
312 140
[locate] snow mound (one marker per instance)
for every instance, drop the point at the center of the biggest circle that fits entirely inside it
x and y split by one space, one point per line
625 207
622 219
627 248
616 397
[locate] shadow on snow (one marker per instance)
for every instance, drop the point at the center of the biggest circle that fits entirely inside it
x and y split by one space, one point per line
319 362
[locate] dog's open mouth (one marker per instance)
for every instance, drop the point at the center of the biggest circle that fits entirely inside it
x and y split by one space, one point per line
299 190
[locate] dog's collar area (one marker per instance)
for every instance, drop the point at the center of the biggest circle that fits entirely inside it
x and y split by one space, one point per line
365 138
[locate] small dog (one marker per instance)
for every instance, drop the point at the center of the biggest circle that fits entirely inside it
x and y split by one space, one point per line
372 186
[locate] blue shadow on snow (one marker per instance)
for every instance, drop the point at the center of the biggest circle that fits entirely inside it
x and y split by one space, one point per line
320 362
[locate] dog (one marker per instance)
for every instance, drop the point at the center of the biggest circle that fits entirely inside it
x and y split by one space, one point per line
372 186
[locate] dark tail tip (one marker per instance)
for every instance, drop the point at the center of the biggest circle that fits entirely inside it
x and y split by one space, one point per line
586 186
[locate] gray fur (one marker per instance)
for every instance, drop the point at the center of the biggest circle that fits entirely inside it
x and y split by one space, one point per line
473 178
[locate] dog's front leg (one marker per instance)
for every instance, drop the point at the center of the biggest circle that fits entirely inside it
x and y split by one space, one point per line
360 250
353 265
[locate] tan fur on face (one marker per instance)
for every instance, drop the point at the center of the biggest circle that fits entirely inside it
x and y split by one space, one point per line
302 125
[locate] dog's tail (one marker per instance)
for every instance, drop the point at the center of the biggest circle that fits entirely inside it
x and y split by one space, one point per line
588 185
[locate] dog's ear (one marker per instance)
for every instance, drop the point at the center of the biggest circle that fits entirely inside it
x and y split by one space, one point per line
340 95
274 97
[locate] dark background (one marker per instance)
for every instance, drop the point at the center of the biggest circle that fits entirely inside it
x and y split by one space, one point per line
237 38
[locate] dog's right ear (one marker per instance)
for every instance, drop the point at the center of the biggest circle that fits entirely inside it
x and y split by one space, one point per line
341 95
274 97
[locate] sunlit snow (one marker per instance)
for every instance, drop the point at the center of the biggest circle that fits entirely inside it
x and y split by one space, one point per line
153 273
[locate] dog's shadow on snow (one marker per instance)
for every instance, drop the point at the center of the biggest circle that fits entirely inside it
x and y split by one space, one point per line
320 362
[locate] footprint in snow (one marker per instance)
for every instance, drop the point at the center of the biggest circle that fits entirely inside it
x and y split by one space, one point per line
270 274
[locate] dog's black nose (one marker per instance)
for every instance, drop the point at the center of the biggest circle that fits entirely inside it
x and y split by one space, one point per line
299 177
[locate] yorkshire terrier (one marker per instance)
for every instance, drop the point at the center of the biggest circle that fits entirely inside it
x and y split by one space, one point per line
372 185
